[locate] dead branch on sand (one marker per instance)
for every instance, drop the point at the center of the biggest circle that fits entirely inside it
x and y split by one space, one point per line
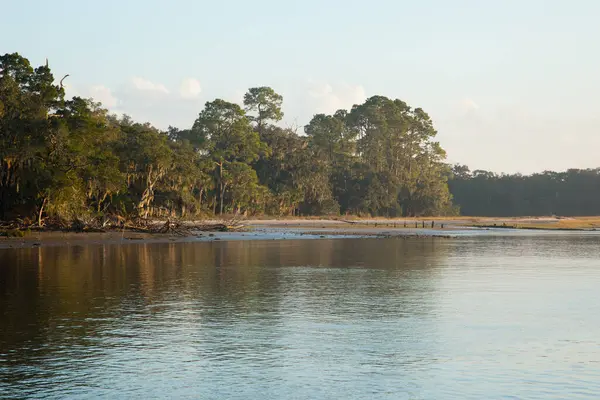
117 223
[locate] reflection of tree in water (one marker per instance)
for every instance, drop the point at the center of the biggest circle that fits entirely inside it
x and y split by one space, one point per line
74 280
222 298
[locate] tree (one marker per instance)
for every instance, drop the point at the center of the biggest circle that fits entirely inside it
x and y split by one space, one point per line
575 192
396 143
230 139
146 158
266 104
330 136
29 133
278 169
85 163
69 159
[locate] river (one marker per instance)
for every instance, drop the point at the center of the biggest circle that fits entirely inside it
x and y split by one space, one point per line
473 317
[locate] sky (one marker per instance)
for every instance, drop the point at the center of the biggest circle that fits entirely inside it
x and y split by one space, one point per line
512 86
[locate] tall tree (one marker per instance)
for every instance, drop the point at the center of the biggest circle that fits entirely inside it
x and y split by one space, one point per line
69 159
278 169
29 132
266 104
396 143
230 139
147 158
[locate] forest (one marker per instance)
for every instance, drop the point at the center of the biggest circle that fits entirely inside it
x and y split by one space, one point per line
70 159
575 192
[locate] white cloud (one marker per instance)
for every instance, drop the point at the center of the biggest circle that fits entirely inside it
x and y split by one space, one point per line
146 85
104 95
469 105
190 88
153 102
320 90
332 97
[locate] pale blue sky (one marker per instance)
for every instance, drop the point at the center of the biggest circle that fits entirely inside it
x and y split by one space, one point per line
511 85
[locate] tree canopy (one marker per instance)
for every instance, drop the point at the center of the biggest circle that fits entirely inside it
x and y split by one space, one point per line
71 159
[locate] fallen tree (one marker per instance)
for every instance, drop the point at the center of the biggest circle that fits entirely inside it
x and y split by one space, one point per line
141 225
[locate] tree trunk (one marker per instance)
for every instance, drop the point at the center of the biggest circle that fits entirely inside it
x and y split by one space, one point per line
41 212
4 188
102 201
222 187
222 195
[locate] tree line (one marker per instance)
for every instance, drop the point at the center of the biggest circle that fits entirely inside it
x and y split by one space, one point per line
575 192
68 159
71 159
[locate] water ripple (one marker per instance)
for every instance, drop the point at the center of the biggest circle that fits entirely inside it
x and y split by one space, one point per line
508 317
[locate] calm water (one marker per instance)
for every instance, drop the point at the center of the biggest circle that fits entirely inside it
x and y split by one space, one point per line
466 318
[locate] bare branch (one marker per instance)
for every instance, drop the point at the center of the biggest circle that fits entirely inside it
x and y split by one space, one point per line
61 81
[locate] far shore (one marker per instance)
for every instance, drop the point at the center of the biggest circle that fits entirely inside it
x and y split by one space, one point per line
446 223
314 228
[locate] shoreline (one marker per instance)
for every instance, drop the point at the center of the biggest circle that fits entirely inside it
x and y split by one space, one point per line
299 228
52 239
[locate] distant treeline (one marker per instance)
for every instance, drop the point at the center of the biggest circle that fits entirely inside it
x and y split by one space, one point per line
70 159
575 192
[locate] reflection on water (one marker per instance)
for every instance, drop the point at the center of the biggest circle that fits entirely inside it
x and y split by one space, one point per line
349 318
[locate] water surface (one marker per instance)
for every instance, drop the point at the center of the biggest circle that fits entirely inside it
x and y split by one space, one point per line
421 318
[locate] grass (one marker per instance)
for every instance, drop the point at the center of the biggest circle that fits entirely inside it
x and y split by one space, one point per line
573 223
548 223
522 222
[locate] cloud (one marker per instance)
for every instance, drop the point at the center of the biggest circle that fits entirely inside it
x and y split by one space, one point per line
153 102
320 90
146 85
104 95
190 88
469 105
329 98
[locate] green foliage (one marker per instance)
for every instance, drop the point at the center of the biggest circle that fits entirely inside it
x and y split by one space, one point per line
575 192
381 159
265 103
70 160
231 142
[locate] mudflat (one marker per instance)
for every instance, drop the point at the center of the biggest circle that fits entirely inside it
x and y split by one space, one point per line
313 228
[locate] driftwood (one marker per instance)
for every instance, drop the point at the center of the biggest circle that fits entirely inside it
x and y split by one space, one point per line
233 224
173 228
183 228
116 223
218 227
